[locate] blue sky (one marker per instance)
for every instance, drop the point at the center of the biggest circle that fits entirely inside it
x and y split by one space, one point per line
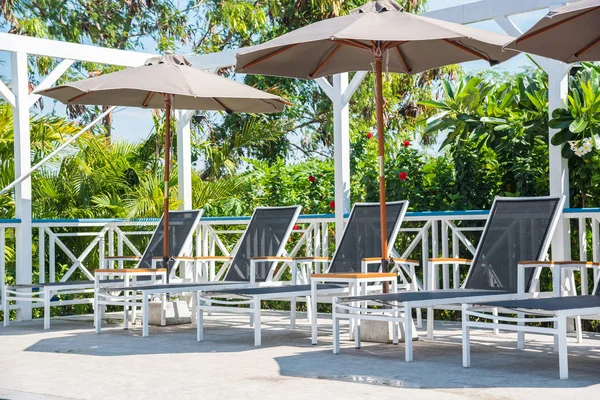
136 124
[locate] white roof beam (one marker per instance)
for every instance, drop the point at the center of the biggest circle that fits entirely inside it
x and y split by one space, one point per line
489 9
50 79
7 94
73 51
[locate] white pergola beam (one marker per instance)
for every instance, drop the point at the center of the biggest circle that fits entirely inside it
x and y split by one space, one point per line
184 159
558 90
74 51
22 151
485 10
353 86
326 87
7 94
50 79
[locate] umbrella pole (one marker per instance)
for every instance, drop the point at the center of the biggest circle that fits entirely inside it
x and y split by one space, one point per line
166 188
381 160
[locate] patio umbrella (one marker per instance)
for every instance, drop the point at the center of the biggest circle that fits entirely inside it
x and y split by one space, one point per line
167 82
378 33
570 34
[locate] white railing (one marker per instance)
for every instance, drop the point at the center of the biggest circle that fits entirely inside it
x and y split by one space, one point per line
432 234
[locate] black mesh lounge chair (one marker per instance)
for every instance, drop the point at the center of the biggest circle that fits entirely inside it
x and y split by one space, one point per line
253 263
359 243
556 310
181 228
517 229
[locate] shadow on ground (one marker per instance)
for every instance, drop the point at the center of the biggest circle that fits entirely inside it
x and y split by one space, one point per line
495 361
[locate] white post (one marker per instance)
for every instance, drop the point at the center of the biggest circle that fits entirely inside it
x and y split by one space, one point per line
341 152
184 159
558 87
23 232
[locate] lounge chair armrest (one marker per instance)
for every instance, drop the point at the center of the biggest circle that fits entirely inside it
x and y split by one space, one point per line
177 258
450 260
558 273
312 258
536 264
109 259
406 261
432 271
213 258
130 271
271 258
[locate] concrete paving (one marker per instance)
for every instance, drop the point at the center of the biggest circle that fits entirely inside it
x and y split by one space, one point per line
71 361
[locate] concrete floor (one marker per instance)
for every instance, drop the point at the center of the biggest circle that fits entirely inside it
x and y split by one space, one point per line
70 361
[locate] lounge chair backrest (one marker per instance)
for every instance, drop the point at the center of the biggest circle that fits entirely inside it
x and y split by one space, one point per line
362 237
181 229
266 235
597 283
517 229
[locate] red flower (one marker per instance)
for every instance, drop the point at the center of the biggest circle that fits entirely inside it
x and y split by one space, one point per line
311 178
369 135
296 227
406 143
402 175
332 205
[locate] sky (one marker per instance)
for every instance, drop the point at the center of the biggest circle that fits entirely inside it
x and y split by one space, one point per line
136 124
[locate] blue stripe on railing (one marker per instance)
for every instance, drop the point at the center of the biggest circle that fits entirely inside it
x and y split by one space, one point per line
301 217
578 210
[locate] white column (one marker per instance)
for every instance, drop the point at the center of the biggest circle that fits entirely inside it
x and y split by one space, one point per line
341 152
558 87
24 258
184 159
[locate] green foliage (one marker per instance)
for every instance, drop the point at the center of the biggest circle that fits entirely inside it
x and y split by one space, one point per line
501 126
579 132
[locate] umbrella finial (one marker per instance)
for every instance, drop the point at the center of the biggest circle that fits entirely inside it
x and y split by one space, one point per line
378 6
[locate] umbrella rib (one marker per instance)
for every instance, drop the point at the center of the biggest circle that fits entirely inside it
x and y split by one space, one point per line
552 26
227 110
353 43
588 47
468 50
326 60
267 56
147 99
77 97
403 59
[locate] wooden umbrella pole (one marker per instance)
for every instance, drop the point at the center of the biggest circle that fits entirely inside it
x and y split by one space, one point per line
381 160
166 254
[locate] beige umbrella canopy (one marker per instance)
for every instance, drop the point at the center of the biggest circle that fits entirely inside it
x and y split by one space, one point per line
164 83
377 33
570 33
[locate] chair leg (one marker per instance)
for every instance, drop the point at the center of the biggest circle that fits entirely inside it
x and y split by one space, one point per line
257 333
578 329
6 307
562 348
145 312
520 334
200 324
47 298
466 338
336 329
408 344
495 313
430 322
293 313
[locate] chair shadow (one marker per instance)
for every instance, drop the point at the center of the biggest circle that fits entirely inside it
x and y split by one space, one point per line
438 363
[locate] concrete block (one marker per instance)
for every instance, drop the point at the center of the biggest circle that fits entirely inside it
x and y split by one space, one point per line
177 313
381 331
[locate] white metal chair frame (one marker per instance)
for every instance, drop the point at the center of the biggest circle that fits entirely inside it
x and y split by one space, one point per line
231 304
400 312
46 292
559 319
